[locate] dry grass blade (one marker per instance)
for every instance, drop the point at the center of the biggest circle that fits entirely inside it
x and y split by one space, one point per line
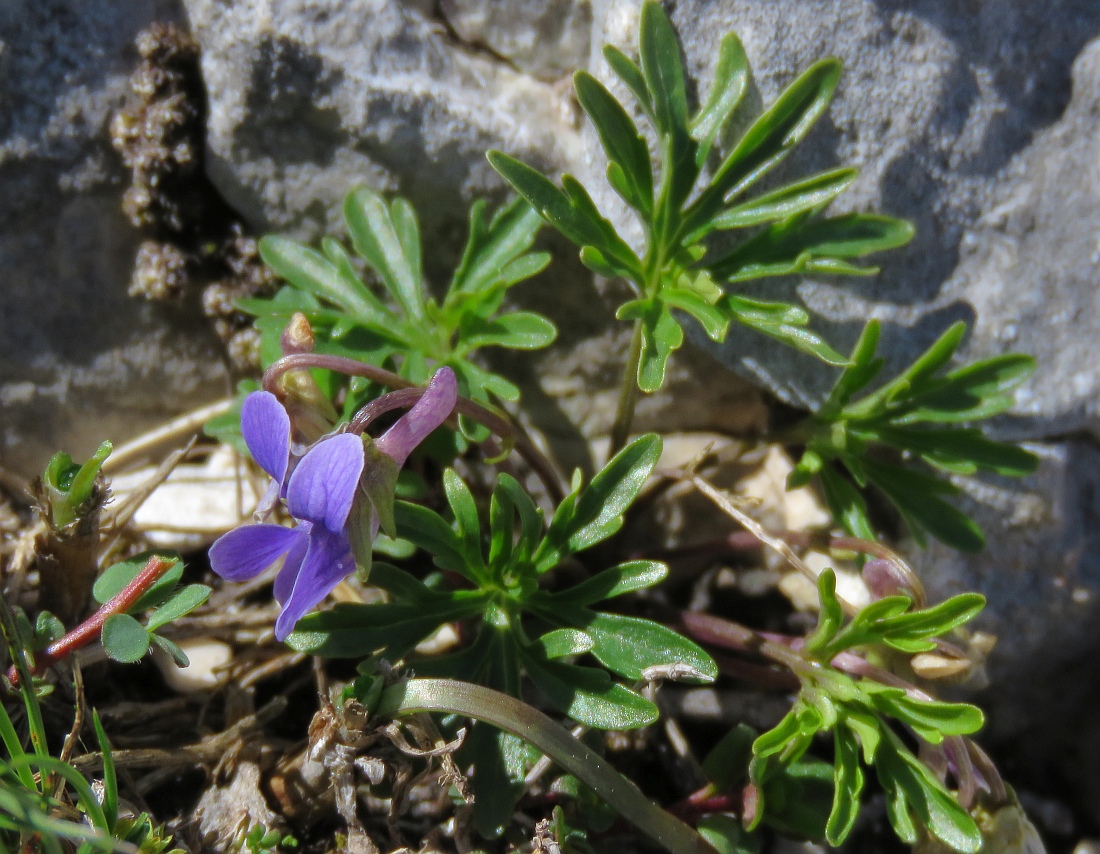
730 508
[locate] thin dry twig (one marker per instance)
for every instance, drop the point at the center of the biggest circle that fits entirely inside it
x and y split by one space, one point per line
143 447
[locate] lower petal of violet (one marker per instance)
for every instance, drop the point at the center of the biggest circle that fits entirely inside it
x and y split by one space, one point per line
288 575
328 560
245 552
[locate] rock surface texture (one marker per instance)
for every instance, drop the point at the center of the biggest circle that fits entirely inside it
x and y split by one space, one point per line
79 360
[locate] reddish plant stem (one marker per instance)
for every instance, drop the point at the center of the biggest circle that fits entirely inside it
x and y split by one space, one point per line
464 406
90 629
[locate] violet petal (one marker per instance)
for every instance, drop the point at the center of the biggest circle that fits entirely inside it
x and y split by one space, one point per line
245 552
327 562
325 481
284 581
266 430
412 428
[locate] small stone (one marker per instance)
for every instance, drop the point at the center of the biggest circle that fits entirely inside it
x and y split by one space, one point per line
207 657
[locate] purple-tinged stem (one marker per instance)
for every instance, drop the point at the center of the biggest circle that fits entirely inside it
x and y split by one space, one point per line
464 406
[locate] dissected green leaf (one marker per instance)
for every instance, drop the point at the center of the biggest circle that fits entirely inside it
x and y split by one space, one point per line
621 141
462 505
493 248
520 330
598 510
664 75
357 631
812 246
914 494
770 138
714 321
375 236
763 317
848 782
809 194
499 764
629 72
731 79
311 272
830 618
430 531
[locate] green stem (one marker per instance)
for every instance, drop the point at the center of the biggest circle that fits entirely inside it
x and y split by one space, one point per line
519 719
628 393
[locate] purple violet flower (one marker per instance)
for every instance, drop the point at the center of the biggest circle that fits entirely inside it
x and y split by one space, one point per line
319 490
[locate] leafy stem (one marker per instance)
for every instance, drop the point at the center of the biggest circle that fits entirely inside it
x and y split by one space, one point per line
519 719
91 628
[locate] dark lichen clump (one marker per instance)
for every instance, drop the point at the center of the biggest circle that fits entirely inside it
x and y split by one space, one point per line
193 238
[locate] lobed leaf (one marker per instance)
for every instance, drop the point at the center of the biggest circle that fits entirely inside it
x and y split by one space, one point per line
769 139
848 787
392 630
385 243
519 330
494 252
629 72
311 272
662 70
731 79
914 494
814 245
809 194
621 141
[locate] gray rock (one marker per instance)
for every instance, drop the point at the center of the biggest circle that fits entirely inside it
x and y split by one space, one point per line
544 39
1040 571
308 102
79 360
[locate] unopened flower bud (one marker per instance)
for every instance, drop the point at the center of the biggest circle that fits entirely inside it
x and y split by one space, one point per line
298 336
892 578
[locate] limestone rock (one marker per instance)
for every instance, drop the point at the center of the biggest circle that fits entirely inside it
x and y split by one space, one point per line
79 360
544 39
309 101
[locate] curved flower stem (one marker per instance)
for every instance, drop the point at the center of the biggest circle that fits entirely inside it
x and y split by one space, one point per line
519 719
483 415
628 393
403 398
90 629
